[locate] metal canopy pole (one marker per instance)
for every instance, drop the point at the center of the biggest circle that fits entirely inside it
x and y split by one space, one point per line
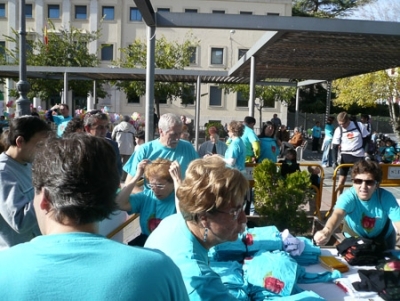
65 96
197 114
296 121
252 86
148 14
22 103
151 45
328 99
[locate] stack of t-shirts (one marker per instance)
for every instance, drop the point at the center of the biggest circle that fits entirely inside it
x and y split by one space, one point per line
310 254
231 274
266 238
228 251
273 275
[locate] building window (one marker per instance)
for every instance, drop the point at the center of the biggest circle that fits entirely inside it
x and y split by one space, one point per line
53 11
107 12
2 49
188 94
2 10
193 57
28 11
80 12
29 45
215 96
107 52
218 11
272 14
135 14
246 12
217 56
191 10
241 52
241 101
163 9
133 98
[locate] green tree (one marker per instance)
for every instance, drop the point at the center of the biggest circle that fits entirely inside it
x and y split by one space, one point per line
368 90
169 55
267 94
326 8
66 47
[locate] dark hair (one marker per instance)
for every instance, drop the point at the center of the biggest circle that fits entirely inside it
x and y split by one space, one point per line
73 126
140 134
266 124
65 106
367 166
365 116
249 119
25 126
292 152
79 176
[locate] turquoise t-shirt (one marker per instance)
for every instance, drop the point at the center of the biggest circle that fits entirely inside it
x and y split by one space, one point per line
248 138
329 130
269 149
316 131
151 209
61 122
368 218
184 153
175 240
237 150
84 266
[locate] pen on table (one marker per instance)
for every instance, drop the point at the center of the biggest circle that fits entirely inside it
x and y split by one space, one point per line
342 287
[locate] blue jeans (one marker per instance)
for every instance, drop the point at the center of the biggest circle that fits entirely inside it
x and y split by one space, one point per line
326 155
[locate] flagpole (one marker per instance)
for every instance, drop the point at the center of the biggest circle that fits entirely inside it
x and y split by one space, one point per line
23 87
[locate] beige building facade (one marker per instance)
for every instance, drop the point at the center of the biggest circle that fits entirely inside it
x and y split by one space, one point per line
121 23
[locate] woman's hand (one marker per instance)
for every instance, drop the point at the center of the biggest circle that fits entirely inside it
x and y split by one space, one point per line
175 172
322 237
140 168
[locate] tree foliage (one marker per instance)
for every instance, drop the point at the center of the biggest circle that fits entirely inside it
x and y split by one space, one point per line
267 95
326 8
368 90
168 55
65 47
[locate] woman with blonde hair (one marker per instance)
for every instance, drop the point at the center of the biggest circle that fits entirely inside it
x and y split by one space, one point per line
211 201
155 203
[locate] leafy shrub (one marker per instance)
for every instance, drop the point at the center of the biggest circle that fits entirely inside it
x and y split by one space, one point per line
279 200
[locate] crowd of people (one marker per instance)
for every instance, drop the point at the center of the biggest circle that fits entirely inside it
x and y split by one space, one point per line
57 187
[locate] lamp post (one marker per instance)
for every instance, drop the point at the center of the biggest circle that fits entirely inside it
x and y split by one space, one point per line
23 87
259 107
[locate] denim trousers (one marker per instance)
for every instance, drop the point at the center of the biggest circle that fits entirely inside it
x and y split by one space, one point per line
327 153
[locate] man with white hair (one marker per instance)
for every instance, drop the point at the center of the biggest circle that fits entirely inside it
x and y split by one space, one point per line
168 146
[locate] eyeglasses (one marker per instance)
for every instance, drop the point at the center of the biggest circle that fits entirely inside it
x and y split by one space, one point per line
368 182
153 186
234 212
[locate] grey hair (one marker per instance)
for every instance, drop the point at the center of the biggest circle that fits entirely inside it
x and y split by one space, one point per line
91 118
168 120
126 118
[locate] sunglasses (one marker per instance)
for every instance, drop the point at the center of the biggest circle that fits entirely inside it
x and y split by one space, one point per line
368 182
